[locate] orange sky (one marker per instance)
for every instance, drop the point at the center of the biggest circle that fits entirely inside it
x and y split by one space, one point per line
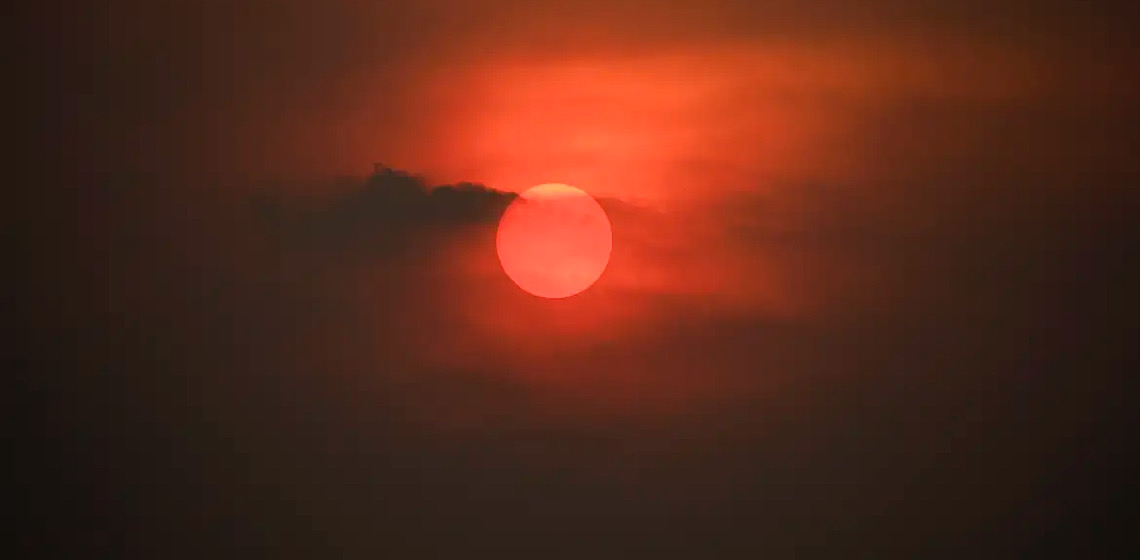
690 119
637 99
743 136
867 294
724 123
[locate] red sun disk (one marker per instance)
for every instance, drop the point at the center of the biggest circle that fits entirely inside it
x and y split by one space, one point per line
554 241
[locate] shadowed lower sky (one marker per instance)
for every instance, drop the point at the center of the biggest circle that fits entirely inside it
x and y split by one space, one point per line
869 292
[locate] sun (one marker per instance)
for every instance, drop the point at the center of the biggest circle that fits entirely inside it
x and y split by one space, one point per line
554 241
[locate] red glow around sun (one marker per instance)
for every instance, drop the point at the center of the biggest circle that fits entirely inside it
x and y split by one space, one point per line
554 241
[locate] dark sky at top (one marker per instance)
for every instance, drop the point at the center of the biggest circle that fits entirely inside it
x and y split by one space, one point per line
870 293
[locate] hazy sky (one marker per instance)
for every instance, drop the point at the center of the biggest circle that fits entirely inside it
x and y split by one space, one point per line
510 93
868 295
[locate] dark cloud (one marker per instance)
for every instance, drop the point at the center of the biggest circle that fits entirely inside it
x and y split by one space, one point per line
389 211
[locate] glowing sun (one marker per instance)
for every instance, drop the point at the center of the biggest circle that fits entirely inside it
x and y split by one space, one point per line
554 240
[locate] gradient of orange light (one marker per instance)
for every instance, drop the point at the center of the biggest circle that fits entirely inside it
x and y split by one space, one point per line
624 128
701 123
693 120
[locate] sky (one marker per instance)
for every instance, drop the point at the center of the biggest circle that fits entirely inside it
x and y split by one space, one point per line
869 292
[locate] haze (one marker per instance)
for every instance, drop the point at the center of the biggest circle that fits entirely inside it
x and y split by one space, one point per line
868 295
